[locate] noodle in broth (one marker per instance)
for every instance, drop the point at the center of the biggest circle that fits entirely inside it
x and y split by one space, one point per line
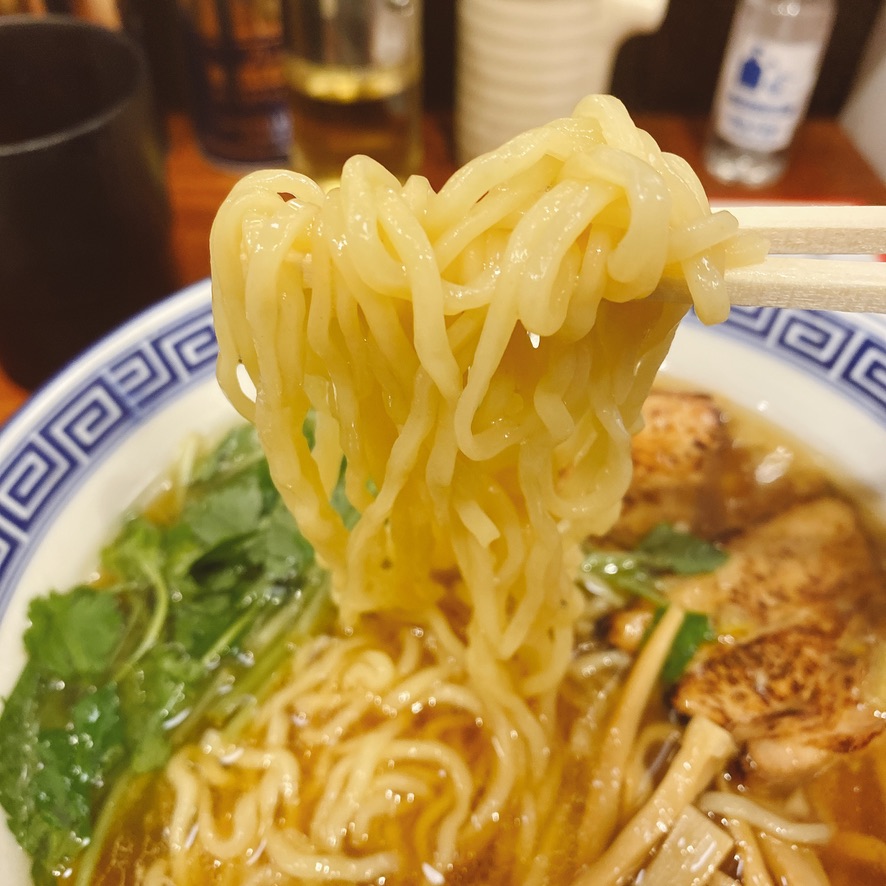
478 359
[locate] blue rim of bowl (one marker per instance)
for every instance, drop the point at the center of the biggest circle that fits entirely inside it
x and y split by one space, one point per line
845 352
72 423
64 432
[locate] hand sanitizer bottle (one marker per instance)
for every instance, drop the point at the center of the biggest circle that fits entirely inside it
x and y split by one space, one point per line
770 68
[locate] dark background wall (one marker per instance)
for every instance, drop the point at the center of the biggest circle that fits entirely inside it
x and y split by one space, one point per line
676 68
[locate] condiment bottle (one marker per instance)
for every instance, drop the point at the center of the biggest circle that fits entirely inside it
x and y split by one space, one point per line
770 67
234 50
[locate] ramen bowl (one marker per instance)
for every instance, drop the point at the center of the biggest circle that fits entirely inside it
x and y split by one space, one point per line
95 438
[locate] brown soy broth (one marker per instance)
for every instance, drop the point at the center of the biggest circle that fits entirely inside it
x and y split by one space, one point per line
849 793
852 795
137 836
767 468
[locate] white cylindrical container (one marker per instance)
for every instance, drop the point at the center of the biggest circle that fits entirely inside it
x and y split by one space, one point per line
522 63
771 65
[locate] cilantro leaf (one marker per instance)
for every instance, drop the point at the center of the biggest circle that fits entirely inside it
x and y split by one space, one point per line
97 730
667 549
19 756
229 511
198 624
76 761
118 677
74 634
661 552
51 776
136 554
152 694
623 573
239 450
182 549
281 549
62 797
348 513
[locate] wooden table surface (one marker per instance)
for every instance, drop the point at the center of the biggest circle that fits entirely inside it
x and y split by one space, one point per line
825 167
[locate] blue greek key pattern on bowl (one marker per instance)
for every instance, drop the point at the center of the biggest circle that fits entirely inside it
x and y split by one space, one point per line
29 480
129 385
842 351
865 371
89 421
151 371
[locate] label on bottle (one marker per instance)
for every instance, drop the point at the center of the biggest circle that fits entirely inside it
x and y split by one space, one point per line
235 51
764 90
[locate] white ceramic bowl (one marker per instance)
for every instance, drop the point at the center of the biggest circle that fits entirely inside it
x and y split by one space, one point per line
94 438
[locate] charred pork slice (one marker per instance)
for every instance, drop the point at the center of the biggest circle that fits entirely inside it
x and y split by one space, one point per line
676 458
799 610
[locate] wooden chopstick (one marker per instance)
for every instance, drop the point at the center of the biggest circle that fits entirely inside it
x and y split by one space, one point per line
790 282
777 282
799 283
816 230
855 286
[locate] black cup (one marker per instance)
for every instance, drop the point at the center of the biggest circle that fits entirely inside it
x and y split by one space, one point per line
84 213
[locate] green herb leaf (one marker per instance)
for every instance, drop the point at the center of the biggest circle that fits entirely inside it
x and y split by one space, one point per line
239 450
118 676
136 554
152 694
19 757
62 796
624 573
74 634
663 551
695 631
50 777
666 549
97 731
227 512
74 762
348 513
281 550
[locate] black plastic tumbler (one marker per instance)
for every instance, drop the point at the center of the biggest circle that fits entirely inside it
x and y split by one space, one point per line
84 212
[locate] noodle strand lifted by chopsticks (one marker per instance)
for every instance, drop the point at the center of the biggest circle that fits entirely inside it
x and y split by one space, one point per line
479 356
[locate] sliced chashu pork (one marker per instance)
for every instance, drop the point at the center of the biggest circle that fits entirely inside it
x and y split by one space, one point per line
796 604
676 460
799 607
688 472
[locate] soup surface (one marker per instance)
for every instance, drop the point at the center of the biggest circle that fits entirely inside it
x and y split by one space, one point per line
703 468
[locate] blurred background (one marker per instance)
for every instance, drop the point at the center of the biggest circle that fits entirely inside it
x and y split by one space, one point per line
672 70
236 83
675 69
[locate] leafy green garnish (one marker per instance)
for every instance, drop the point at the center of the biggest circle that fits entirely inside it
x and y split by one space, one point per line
152 693
666 549
74 634
695 631
193 616
661 552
